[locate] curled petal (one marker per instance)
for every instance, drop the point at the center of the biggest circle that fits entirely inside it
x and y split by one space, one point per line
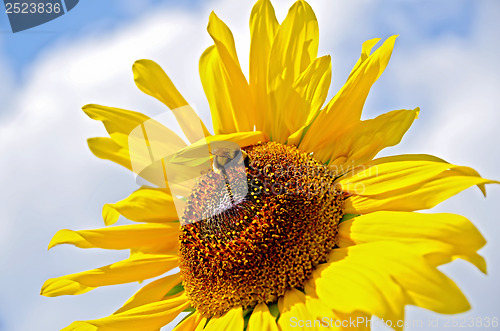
137 268
439 237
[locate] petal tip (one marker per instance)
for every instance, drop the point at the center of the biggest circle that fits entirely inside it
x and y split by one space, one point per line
109 214
417 112
87 109
142 63
211 18
56 239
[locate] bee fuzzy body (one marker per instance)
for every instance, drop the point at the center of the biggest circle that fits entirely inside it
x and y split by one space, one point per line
223 157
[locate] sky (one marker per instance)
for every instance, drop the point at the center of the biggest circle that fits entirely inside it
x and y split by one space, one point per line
445 61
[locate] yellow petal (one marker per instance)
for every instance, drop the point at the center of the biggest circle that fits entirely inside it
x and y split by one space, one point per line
215 81
411 194
426 157
81 326
143 205
223 38
363 141
226 88
294 48
151 142
120 237
354 322
300 312
380 278
137 142
152 292
295 45
391 176
107 149
190 323
202 324
345 107
232 320
292 308
136 268
120 123
199 153
152 80
439 237
308 94
263 27
306 312
365 53
476 260
142 162
261 319
418 164
243 139
406 157
150 317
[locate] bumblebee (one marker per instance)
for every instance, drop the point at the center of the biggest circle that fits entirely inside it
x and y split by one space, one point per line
223 156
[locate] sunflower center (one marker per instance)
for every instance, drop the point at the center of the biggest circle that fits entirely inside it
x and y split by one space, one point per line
242 247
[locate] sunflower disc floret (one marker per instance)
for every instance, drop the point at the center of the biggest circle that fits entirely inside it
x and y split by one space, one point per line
267 242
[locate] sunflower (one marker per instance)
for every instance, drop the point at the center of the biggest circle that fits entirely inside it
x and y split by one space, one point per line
283 218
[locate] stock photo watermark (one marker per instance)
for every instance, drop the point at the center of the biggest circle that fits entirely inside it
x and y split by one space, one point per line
367 322
26 14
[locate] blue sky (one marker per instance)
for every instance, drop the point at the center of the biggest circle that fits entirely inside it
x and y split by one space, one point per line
95 16
445 61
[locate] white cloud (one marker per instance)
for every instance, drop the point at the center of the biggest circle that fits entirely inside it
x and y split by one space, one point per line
51 181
